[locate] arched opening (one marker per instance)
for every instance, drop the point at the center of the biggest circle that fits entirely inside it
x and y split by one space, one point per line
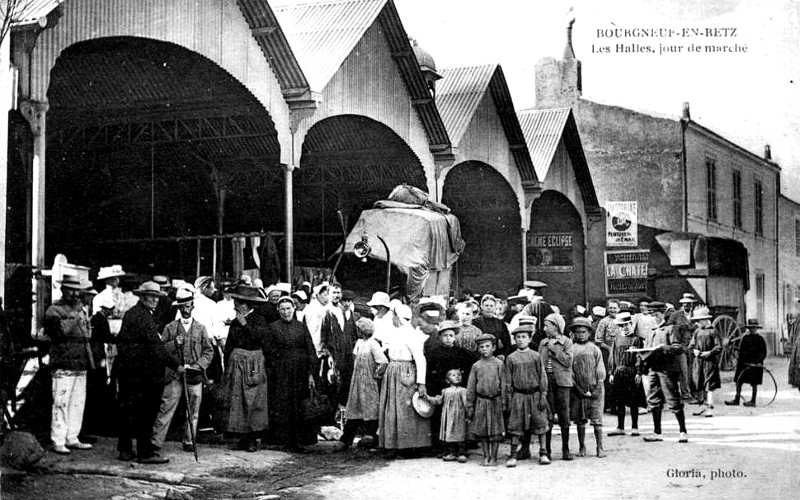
555 249
490 224
348 163
150 144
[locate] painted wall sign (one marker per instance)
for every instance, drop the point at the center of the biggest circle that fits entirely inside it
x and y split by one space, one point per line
621 223
550 252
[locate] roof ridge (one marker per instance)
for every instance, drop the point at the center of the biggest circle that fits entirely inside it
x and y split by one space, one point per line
286 6
471 66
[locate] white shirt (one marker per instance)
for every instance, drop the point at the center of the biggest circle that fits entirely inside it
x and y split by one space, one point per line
384 329
186 323
314 314
204 309
223 313
406 345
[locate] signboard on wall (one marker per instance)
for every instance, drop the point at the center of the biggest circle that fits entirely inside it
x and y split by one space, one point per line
626 272
550 252
621 223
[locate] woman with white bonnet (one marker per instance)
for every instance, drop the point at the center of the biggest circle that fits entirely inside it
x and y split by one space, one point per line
400 427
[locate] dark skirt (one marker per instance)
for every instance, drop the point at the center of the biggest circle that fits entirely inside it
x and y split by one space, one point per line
288 386
746 374
705 374
245 392
626 391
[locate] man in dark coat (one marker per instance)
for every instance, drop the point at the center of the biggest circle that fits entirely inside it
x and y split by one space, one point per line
339 337
139 367
750 364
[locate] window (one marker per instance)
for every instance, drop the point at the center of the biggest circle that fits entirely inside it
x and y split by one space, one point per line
711 189
758 204
737 199
760 297
797 237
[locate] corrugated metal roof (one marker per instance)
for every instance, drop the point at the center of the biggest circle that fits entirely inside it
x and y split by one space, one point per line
322 35
458 95
461 91
543 129
273 42
30 11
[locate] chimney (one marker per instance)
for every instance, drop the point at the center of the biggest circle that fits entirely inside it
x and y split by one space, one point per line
686 114
767 152
569 53
558 83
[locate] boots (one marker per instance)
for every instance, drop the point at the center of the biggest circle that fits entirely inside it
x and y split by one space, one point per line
565 453
598 437
549 439
512 460
581 440
524 452
752 401
735 400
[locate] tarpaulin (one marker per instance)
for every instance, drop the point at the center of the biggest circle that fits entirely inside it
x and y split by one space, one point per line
420 242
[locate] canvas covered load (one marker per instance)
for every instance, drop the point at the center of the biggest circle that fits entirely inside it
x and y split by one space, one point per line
423 243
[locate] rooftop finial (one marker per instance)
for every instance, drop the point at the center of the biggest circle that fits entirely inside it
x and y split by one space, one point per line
568 52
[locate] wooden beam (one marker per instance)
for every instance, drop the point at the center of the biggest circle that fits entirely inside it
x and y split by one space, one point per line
263 31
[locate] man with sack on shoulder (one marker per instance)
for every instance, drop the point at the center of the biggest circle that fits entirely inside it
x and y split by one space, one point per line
188 343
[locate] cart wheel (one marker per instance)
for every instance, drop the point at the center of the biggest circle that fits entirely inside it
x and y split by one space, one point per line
730 333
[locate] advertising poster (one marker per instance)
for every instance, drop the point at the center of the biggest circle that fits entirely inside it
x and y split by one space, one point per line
550 252
621 218
626 273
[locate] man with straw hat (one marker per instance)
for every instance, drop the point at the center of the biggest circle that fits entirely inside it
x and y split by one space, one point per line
67 326
187 341
110 276
140 366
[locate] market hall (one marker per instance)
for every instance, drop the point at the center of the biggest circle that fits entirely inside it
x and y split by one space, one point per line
146 130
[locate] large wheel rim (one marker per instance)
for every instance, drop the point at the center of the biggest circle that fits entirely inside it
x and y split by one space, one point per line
730 333
768 372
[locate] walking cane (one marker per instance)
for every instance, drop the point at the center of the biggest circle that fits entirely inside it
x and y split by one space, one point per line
188 410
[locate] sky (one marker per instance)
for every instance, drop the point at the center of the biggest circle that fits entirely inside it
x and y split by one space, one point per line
751 98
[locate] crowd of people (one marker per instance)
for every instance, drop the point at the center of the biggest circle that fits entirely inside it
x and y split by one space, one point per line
273 365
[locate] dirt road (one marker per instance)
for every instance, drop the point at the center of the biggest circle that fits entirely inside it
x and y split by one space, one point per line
739 453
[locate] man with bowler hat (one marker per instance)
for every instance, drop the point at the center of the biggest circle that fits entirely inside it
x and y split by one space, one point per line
139 367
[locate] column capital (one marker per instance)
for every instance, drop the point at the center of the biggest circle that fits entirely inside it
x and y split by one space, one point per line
298 115
35 112
532 191
288 167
